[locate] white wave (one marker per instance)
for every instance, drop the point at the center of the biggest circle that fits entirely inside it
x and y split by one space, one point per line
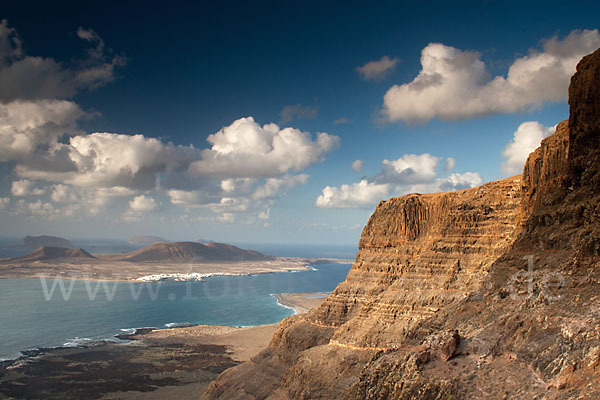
77 342
179 324
283 305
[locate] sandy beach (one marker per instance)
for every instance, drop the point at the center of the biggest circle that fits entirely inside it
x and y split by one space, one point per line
175 363
301 302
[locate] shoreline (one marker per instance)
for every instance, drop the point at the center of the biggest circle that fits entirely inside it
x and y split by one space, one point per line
121 333
292 301
301 303
179 360
282 304
169 362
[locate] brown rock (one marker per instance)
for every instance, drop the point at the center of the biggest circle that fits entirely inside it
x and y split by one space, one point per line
444 344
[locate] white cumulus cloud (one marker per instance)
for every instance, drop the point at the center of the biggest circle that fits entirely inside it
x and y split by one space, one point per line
25 126
526 139
410 168
110 160
143 203
355 195
246 149
455 84
244 170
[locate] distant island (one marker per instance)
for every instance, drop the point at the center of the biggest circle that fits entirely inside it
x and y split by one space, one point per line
162 260
192 251
34 242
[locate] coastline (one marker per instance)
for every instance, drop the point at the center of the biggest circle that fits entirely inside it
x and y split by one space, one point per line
171 293
171 362
180 361
301 303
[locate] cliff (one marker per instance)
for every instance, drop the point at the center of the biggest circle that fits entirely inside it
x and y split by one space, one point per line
491 292
417 254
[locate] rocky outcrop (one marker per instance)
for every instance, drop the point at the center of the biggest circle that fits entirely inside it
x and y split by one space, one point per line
491 292
561 207
584 118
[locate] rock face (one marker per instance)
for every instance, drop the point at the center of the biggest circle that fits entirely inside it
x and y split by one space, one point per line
491 292
33 242
193 251
417 254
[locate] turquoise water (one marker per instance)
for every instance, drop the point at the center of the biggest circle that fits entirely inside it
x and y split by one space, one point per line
38 314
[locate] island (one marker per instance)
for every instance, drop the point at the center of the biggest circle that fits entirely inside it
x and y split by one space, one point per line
179 261
33 242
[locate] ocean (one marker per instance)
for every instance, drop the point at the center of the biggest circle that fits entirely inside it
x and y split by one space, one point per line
38 313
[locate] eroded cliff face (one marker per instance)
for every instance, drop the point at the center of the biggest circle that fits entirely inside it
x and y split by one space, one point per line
491 292
417 254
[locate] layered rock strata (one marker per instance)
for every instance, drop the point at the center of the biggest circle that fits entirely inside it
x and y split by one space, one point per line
417 254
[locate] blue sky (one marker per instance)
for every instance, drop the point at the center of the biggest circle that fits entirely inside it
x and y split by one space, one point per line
269 122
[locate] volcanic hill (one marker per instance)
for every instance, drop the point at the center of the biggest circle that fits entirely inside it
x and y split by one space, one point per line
487 293
46 253
192 251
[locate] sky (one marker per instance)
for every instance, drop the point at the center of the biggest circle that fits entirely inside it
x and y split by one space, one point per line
269 122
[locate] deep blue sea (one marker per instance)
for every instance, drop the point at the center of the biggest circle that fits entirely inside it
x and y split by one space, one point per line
37 313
